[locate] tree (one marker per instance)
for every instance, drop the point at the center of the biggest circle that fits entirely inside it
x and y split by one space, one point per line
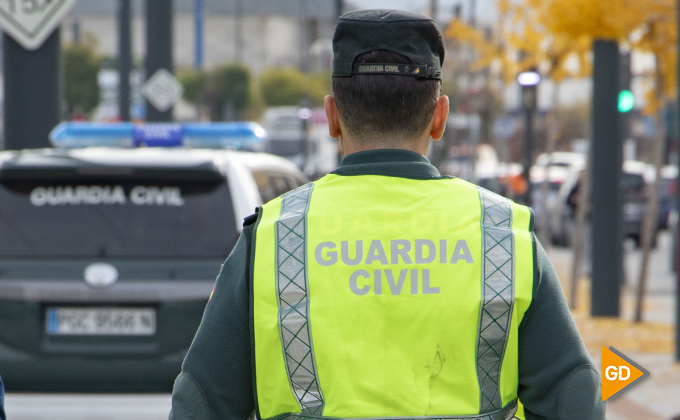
281 87
522 40
228 92
544 30
572 25
659 35
193 83
81 69
544 34
644 26
318 86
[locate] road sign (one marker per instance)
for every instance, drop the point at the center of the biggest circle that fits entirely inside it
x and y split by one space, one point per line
162 90
30 22
618 372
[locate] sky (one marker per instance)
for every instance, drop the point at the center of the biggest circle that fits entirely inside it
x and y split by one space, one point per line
485 9
413 5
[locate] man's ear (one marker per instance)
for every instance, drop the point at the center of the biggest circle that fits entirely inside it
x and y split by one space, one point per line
332 115
441 113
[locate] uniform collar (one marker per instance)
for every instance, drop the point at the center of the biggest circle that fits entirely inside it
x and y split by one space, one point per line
388 162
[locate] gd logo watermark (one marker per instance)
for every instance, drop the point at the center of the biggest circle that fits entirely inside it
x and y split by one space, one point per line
618 372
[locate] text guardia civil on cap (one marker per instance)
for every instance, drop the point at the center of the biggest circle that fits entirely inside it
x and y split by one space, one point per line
409 34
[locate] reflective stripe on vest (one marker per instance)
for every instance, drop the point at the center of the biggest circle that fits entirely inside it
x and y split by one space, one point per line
284 223
497 295
292 284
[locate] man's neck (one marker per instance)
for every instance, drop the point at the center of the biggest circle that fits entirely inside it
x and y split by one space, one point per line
350 145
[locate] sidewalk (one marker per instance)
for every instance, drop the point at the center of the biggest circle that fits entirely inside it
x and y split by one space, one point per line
650 343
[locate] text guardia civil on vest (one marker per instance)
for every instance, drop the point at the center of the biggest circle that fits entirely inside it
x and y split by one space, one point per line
419 251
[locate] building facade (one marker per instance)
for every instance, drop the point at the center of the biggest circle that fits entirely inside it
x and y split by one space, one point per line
258 33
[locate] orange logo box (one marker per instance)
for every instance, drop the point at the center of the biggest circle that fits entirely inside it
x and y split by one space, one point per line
618 372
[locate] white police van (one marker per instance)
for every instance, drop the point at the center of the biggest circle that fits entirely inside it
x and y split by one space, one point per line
108 254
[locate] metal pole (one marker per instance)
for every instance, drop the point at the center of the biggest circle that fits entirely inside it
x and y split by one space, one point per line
159 15
529 91
650 220
433 9
304 35
338 7
580 228
606 173
198 34
75 28
544 219
528 152
677 232
124 59
32 93
238 30
473 13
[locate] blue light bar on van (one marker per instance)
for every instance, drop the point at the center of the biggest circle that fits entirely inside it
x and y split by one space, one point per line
224 135
232 135
82 134
157 135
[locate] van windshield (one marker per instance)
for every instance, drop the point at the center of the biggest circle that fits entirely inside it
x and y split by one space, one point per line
95 217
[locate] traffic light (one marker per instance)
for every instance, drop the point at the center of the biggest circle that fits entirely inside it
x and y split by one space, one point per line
626 100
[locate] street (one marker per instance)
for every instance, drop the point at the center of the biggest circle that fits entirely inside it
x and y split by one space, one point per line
650 343
87 407
661 281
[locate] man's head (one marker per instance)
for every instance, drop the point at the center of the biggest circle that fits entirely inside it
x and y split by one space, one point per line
386 80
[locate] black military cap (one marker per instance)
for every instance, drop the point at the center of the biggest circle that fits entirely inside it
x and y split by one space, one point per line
405 33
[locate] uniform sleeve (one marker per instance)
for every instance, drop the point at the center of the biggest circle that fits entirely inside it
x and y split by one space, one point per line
557 377
216 377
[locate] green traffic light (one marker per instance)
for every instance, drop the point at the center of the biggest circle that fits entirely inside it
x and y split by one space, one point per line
626 101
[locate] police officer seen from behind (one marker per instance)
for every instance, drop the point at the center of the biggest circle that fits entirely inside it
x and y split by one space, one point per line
385 290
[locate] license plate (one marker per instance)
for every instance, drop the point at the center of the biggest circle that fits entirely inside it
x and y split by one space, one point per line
101 321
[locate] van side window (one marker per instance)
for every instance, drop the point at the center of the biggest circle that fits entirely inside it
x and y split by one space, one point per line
279 183
273 184
295 181
264 186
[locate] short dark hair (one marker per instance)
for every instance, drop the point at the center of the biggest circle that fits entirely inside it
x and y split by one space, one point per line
385 108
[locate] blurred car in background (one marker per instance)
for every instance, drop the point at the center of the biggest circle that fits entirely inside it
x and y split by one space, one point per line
287 133
301 136
635 193
636 190
668 190
547 176
561 159
108 257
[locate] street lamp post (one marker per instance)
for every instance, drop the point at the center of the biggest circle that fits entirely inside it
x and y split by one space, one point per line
124 59
304 114
528 81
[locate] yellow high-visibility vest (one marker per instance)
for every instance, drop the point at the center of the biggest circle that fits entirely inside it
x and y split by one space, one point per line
382 297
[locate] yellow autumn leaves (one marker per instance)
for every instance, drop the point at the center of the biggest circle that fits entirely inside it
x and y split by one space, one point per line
555 37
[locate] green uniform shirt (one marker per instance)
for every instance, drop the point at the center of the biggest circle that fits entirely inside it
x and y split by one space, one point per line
557 378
